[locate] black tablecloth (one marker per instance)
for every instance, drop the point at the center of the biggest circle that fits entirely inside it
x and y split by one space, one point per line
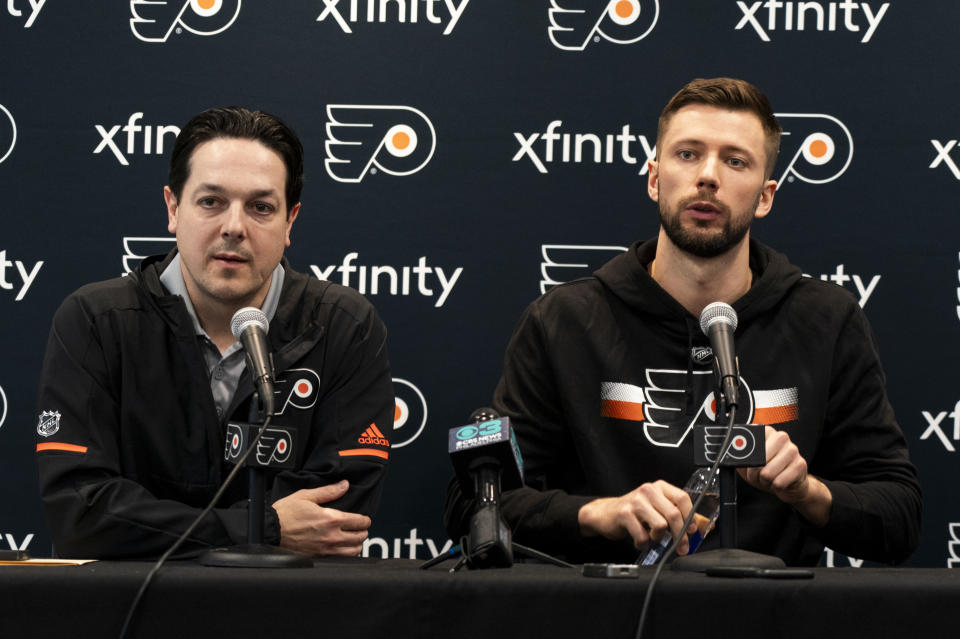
393 599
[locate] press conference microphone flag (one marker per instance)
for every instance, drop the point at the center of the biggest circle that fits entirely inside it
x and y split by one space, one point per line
718 321
249 325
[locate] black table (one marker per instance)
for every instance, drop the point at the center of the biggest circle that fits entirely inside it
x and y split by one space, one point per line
393 599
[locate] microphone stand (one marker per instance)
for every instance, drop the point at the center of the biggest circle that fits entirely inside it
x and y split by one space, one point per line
489 544
728 556
255 553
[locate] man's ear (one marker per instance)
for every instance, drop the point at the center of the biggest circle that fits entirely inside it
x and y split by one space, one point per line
653 180
172 205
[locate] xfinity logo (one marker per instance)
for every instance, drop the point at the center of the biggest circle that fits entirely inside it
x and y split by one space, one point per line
412 542
35 6
934 427
943 155
800 16
377 280
831 560
411 11
151 138
12 541
19 281
8 134
544 148
839 277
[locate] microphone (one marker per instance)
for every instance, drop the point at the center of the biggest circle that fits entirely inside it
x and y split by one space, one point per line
718 321
249 325
486 458
485 455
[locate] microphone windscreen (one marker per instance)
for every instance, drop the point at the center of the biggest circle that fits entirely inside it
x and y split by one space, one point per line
245 317
717 312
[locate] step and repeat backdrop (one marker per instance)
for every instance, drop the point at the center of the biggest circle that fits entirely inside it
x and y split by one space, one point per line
529 124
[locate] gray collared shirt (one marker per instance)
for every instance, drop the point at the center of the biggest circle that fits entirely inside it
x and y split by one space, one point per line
223 370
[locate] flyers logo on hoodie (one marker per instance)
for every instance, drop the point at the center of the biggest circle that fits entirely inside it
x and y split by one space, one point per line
574 23
364 138
155 20
667 415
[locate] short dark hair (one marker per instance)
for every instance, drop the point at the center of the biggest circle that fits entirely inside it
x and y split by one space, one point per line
727 93
237 122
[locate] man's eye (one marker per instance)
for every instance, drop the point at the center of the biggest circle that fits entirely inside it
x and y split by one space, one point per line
685 155
262 207
738 162
207 201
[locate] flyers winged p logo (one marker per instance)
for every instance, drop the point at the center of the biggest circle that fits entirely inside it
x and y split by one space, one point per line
567 262
819 147
8 134
398 140
155 20
669 415
573 23
274 447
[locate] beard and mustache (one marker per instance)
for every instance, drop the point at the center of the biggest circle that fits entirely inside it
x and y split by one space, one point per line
701 240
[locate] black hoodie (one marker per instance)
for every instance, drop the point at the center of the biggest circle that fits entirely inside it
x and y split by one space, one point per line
603 386
129 444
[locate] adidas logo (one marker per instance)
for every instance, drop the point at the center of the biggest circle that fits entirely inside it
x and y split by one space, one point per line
373 436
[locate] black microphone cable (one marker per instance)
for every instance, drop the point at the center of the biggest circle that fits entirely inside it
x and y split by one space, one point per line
196 522
724 447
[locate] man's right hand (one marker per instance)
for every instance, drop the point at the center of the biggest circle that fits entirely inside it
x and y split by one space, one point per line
309 528
645 514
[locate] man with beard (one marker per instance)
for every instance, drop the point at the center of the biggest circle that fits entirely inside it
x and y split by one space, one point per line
142 373
604 377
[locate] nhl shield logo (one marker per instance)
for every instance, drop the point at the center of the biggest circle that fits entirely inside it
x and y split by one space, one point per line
49 423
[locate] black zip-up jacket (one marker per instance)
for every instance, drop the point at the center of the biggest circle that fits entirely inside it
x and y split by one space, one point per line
129 444
603 385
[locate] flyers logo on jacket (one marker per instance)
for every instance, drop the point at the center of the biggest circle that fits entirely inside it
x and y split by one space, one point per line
818 148
296 387
361 139
661 404
8 133
574 23
567 262
409 413
155 20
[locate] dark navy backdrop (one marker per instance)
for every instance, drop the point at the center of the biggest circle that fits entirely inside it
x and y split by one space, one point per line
529 124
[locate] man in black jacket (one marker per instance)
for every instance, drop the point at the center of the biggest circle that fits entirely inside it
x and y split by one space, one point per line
603 383
142 373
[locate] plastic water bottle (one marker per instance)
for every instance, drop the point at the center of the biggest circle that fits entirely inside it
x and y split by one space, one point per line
705 516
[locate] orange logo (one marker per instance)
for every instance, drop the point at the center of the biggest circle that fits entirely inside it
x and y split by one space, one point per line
373 436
